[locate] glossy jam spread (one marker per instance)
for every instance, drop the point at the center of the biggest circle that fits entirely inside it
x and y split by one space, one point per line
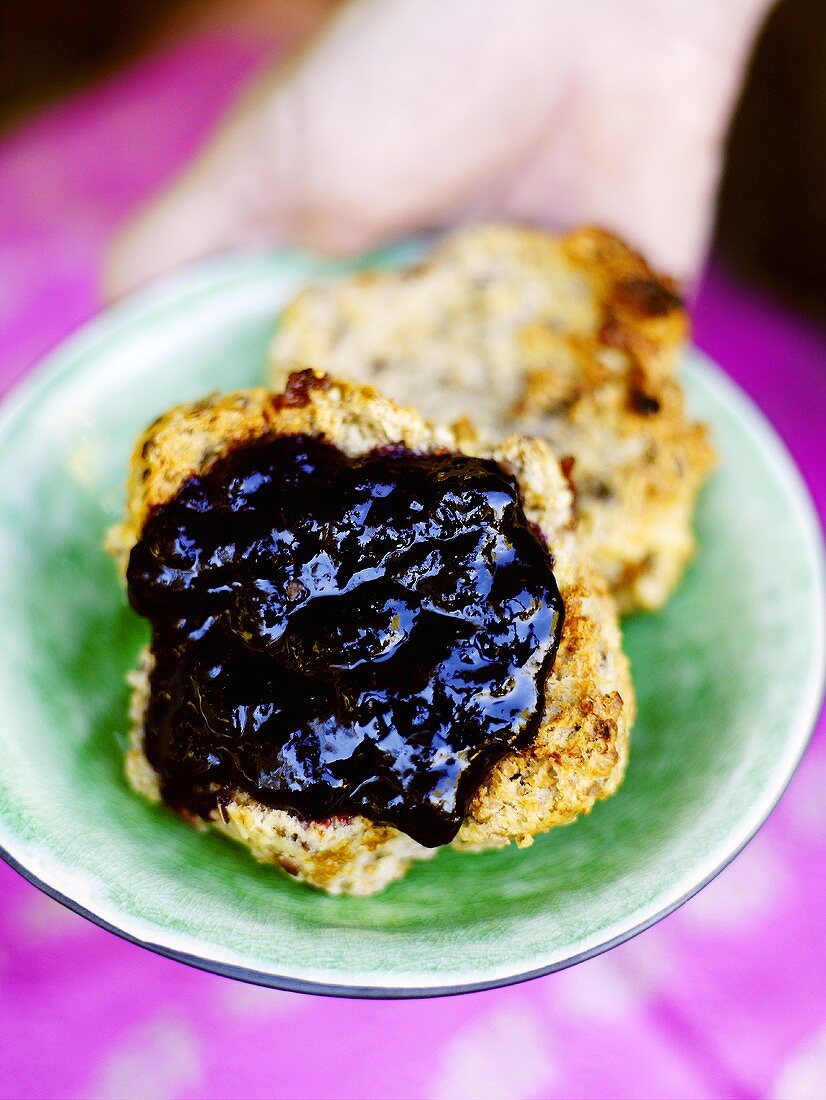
340 636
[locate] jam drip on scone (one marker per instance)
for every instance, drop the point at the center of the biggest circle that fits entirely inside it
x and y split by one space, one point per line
341 636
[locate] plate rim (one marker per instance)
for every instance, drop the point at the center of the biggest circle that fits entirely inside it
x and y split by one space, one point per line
173 291
269 980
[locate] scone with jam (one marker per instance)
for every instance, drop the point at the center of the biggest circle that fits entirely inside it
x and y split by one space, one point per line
572 338
370 636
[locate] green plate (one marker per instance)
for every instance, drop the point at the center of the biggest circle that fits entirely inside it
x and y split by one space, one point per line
729 677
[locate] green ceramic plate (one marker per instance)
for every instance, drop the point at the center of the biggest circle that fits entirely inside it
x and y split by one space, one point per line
728 678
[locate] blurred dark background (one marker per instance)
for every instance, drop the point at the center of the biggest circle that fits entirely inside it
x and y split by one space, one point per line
772 216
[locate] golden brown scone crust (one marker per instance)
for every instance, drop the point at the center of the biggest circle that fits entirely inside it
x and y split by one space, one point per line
573 338
581 747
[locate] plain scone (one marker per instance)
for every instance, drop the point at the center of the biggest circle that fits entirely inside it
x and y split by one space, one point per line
572 338
580 750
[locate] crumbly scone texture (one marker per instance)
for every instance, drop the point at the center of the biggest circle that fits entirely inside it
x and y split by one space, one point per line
572 338
580 750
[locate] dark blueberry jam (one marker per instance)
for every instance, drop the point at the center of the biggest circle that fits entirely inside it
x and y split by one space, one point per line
344 636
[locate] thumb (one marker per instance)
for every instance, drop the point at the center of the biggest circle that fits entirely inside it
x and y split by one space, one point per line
389 122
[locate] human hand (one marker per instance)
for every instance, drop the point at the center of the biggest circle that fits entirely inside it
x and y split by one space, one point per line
414 114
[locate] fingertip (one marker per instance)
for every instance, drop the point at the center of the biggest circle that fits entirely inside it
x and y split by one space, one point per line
119 271
191 221
147 246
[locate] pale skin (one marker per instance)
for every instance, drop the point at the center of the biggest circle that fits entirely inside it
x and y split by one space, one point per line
406 115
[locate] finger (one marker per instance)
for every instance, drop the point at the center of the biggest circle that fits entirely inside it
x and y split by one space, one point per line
638 144
393 119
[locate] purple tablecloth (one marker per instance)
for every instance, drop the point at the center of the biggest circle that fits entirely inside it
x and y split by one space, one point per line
727 997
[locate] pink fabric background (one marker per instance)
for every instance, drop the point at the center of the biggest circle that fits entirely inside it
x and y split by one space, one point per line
726 998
